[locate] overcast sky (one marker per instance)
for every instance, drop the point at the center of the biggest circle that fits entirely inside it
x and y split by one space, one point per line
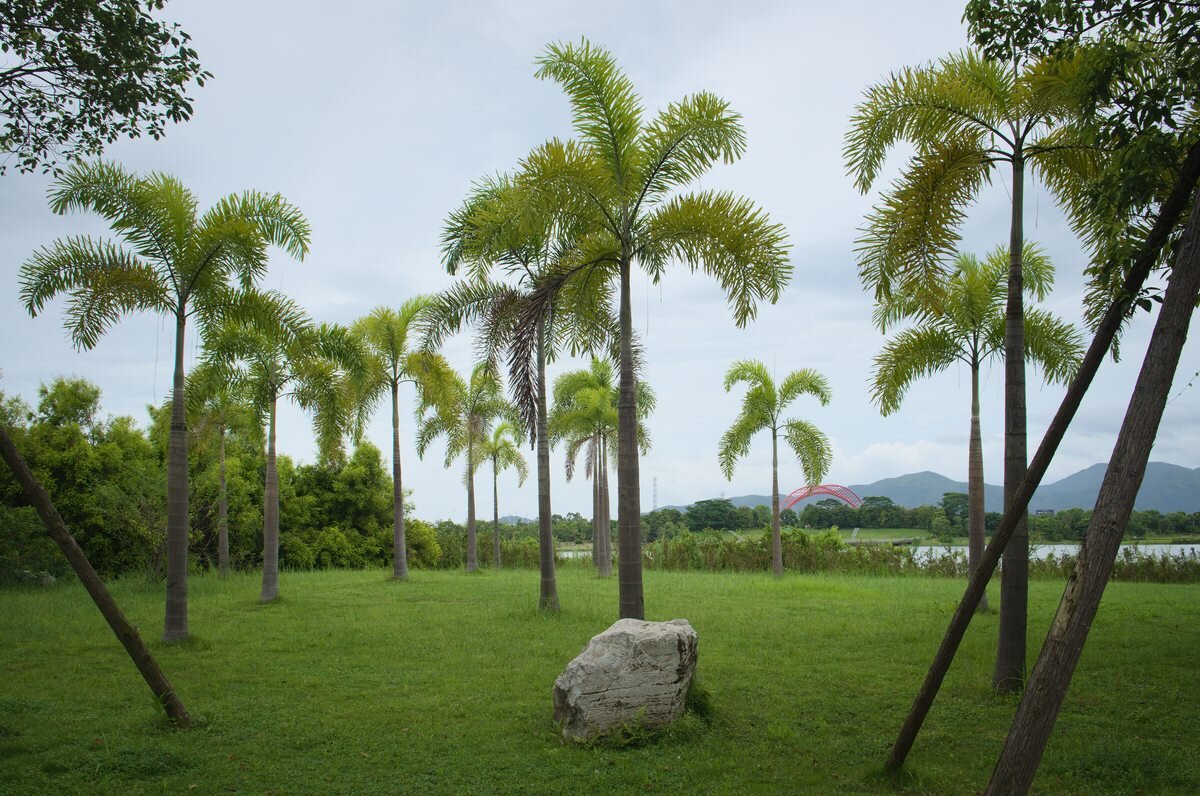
375 118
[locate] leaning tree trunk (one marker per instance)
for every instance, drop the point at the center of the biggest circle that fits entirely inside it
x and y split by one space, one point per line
629 531
223 516
548 590
270 583
399 545
776 536
605 513
495 513
1009 674
1106 332
126 633
472 540
175 625
976 517
1064 643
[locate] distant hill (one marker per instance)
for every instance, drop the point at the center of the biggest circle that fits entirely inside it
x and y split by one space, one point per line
1166 487
513 519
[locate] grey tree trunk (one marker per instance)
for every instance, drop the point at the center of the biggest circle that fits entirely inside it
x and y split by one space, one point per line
776 537
1036 715
1009 674
399 545
472 541
175 624
975 487
605 513
223 517
1106 331
126 633
548 590
270 584
495 513
596 544
629 532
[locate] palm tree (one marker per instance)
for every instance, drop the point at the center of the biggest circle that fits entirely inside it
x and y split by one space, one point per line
464 416
965 116
616 187
503 450
297 360
174 262
584 417
384 336
762 408
968 328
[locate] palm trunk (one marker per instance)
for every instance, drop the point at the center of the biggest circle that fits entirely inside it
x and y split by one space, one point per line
1009 675
175 625
270 584
126 633
548 593
1064 643
223 517
399 545
472 546
597 544
629 532
776 536
495 513
975 487
605 513
1106 331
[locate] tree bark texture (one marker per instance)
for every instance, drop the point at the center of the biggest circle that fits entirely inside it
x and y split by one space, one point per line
596 504
399 544
270 584
1106 331
975 488
629 533
1034 721
126 633
175 624
223 517
472 537
1009 674
548 590
495 513
776 538
606 556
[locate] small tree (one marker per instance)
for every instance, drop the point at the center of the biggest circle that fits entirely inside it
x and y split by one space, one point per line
503 450
762 408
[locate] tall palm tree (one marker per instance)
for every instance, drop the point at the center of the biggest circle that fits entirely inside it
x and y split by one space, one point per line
617 186
584 417
762 409
172 261
391 361
503 450
298 360
967 116
968 327
464 417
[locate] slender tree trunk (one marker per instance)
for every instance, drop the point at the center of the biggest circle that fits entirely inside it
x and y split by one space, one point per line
175 625
597 545
472 541
1064 644
1106 331
270 584
548 591
776 536
223 517
495 513
629 531
975 488
605 513
126 633
399 544
1009 675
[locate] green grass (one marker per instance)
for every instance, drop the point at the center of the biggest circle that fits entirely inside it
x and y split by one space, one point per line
351 683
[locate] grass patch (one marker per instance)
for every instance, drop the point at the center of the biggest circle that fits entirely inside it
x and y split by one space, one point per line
357 684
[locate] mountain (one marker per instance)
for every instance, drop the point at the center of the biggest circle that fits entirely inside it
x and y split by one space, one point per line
1166 487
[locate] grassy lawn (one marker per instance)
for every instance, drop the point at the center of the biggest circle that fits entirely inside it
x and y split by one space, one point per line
351 683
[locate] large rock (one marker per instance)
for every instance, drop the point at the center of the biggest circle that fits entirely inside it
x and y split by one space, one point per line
633 674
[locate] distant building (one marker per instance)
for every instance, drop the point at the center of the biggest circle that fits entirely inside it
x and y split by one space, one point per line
1044 513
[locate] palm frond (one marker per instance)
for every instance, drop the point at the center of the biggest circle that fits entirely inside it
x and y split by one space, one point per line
908 356
812 449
